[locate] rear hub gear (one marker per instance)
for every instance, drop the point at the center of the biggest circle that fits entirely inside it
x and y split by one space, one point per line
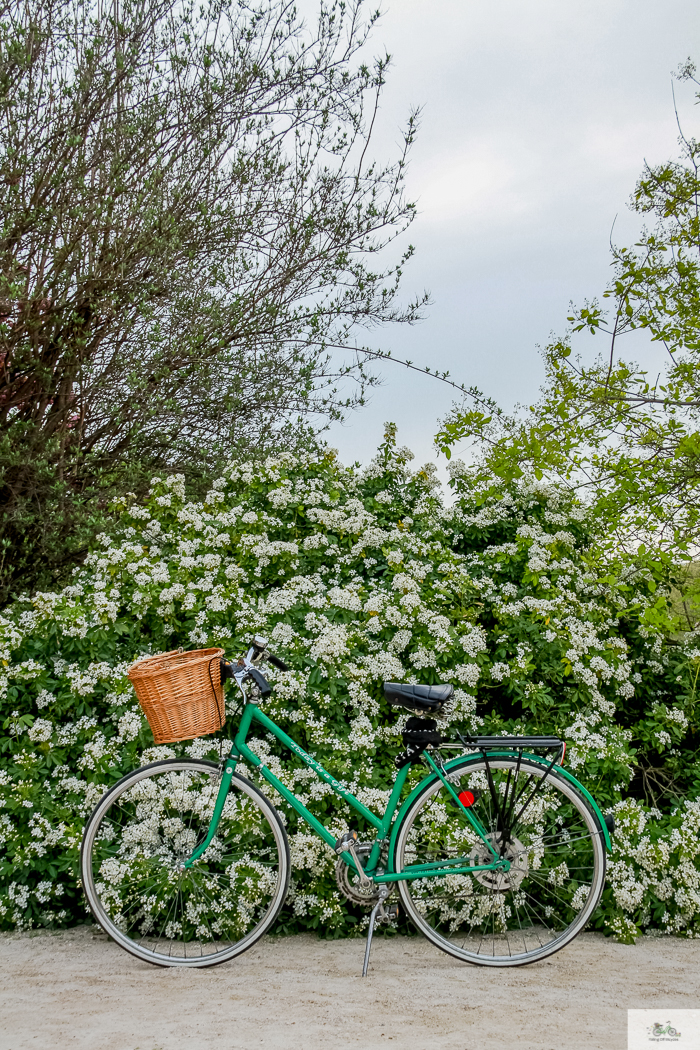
500 881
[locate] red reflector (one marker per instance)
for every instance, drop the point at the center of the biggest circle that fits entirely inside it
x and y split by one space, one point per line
466 798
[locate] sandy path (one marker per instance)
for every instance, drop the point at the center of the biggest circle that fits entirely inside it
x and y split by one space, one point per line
78 990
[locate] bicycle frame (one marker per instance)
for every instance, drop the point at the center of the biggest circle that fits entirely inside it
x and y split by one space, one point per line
382 825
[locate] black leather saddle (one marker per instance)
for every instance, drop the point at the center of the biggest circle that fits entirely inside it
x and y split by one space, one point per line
423 699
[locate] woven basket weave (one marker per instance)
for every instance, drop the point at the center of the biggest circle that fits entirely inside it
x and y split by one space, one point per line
181 693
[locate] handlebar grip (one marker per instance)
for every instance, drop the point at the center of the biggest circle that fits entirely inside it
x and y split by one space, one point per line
276 662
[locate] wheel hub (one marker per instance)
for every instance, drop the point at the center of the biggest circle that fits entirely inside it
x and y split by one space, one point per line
500 881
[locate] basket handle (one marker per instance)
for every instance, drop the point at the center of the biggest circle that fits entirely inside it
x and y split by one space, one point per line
213 689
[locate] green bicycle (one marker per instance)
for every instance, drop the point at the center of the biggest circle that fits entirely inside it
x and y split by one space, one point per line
498 855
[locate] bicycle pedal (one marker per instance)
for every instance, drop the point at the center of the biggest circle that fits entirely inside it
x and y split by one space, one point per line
390 913
346 842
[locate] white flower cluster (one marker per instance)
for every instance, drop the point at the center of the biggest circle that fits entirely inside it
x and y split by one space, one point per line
647 864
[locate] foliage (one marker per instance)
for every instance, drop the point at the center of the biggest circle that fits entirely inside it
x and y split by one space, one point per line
356 576
189 228
625 438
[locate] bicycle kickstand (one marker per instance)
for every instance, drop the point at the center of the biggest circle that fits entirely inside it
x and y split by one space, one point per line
379 906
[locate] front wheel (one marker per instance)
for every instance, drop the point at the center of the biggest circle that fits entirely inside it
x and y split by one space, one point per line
555 848
133 848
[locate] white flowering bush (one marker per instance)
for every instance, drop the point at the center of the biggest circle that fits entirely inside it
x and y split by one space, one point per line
356 576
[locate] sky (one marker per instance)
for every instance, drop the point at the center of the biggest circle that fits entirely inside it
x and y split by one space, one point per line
537 119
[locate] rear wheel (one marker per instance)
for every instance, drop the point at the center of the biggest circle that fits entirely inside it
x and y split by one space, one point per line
555 848
131 865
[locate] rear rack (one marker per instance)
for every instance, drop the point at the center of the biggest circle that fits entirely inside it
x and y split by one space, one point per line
514 742
496 743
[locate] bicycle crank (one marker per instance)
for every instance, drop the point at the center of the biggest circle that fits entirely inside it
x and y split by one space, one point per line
349 882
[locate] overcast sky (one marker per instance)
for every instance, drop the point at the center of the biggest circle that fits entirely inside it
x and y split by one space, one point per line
537 119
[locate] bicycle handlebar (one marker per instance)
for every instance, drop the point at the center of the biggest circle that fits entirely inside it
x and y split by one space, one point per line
245 665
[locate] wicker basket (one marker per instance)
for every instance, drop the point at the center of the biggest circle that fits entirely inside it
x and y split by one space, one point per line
181 693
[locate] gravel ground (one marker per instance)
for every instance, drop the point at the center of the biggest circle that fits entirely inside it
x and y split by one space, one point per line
77 989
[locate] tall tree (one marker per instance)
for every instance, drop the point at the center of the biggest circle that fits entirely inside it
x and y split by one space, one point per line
626 437
189 234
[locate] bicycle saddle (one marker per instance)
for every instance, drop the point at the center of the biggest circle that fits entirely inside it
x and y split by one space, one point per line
424 699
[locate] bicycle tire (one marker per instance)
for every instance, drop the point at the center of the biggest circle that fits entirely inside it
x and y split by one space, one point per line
509 919
133 847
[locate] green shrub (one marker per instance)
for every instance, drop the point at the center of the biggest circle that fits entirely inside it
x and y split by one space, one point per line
356 576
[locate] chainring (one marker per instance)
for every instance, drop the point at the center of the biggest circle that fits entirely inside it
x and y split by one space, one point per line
349 882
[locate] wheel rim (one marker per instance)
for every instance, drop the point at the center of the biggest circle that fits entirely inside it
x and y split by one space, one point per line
557 866
133 875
